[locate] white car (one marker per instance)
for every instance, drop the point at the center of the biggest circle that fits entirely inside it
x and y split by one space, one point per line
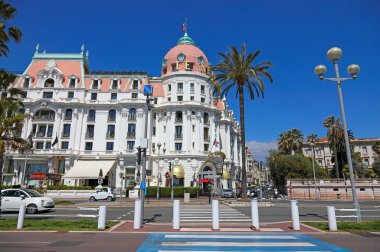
105 193
12 199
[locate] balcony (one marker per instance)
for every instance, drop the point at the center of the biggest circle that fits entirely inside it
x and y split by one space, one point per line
131 135
178 119
132 118
111 119
178 136
207 122
65 134
180 90
40 134
89 135
91 119
110 135
206 138
68 118
43 118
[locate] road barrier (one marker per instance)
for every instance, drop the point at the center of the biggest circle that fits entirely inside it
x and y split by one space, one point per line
21 216
332 218
255 214
137 217
215 214
295 215
176 214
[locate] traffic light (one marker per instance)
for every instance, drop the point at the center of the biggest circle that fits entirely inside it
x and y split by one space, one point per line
138 155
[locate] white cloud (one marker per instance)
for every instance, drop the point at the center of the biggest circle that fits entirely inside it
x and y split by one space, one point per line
260 149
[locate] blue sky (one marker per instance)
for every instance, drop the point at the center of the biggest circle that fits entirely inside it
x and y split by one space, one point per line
294 35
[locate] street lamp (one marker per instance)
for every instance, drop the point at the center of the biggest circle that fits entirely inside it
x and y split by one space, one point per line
334 55
315 180
121 175
158 171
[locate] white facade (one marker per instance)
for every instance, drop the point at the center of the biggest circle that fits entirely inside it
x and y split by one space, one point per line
323 153
101 116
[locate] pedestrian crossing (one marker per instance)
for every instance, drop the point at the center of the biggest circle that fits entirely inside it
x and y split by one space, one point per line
204 214
169 242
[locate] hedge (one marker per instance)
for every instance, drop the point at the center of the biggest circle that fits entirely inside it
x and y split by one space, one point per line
65 187
177 191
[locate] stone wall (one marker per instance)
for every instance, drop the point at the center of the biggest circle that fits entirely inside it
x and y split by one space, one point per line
329 189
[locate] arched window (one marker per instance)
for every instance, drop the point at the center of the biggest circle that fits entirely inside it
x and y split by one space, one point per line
44 115
206 119
112 115
68 114
132 114
49 83
178 117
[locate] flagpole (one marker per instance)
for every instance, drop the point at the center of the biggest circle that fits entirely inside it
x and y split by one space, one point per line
185 24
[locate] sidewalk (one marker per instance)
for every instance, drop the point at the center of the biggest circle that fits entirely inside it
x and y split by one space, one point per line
280 227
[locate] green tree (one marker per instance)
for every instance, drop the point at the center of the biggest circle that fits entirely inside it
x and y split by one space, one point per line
290 142
376 167
236 70
331 124
7 12
376 148
11 119
283 167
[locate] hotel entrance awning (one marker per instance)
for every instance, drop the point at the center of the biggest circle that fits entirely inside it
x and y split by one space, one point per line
89 169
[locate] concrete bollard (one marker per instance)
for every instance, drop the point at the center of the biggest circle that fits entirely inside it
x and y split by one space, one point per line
176 214
255 214
215 214
295 215
331 218
137 216
102 217
21 216
186 197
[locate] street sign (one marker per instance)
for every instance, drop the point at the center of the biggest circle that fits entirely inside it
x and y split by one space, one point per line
148 172
148 90
212 176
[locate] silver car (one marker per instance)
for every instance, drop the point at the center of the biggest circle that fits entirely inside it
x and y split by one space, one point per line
227 193
12 199
105 193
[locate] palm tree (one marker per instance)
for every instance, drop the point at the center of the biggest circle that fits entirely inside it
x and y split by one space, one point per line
296 139
283 143
7 12
11 119
312 138
236 69
331 124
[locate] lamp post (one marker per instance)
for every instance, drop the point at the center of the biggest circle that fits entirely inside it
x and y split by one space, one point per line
158 171
334 55
121 175
315 180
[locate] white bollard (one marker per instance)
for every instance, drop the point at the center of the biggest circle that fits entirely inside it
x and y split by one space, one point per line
215 214
21 215
255 214
295 215
331 218
176 214
102 217
137 216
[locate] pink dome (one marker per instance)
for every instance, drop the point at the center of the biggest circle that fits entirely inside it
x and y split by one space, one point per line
185 56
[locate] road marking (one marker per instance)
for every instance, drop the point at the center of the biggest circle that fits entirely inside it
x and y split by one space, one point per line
290 237
24 242
240 244
161 242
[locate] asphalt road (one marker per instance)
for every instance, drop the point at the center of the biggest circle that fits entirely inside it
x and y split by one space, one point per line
279 211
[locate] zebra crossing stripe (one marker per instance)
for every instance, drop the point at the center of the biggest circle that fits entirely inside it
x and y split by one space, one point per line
240 244
290 237
161 242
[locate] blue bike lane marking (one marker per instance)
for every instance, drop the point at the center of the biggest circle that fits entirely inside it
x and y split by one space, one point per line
165 242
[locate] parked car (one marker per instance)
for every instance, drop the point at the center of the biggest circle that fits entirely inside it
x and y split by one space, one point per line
105 193
227 193
12 199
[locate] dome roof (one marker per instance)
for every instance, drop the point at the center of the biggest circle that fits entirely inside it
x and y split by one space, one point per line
185 56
